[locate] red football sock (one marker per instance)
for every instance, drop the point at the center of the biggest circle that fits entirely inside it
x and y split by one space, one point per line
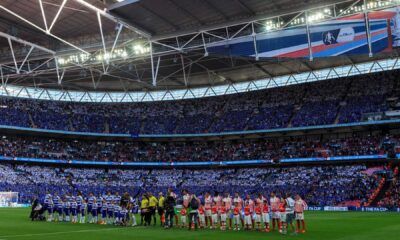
267 225
304 224
298 225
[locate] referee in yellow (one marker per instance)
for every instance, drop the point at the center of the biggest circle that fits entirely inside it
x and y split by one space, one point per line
144 210
161 201
153 202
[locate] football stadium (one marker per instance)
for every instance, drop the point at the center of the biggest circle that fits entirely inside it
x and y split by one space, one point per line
199 119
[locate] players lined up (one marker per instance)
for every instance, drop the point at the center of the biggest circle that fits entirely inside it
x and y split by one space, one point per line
225 212
108 209
216 211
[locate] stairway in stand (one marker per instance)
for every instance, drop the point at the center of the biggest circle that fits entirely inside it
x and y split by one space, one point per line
385 185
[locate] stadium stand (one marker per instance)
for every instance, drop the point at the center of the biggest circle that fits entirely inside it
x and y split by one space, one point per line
310 104
186 151
321 185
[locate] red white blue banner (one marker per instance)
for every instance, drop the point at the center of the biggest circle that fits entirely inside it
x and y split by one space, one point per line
343 36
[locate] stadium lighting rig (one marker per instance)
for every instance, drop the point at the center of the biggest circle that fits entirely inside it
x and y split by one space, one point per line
154 47
134 50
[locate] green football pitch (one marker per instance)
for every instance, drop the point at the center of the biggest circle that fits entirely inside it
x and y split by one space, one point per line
14 224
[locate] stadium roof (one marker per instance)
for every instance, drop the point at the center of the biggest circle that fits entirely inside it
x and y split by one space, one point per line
44 34
163 18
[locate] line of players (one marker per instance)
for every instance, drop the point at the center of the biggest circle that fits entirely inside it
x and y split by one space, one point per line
215 211
108 209
246 213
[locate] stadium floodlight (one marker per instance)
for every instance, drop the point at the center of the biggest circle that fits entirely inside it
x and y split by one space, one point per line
140 49
87 58
84 57
271 25
327 11
298 21
61 61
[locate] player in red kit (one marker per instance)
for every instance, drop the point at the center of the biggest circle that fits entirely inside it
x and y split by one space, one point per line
265 215
237 199
282 211
236 216
275 201
250 203
260 200
299 207
227 202
207 207
222 212
257 219
247 215
214 216
202 217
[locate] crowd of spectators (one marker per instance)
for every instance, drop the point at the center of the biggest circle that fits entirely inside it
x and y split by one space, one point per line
193 151
319 185
317 103
392 196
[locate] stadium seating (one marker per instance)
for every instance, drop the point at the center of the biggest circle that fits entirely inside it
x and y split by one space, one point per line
320 185
318 103
175 151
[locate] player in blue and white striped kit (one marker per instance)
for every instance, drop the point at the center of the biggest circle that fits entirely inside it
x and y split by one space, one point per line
74 211
46 201
82 213
79 200
70 197
104 212
109 198
50 209
99 204
117 198
60 210
117 209
67 210
92 208
110 212
56 200
124 216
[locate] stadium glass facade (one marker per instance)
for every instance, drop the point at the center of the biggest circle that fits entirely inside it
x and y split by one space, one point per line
191 93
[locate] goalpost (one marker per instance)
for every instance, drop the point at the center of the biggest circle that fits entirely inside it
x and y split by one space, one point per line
8 199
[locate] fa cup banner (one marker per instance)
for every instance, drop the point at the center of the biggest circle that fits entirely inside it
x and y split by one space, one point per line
342 36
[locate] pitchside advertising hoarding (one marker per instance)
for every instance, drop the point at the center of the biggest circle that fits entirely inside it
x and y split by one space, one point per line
346 209
342 36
